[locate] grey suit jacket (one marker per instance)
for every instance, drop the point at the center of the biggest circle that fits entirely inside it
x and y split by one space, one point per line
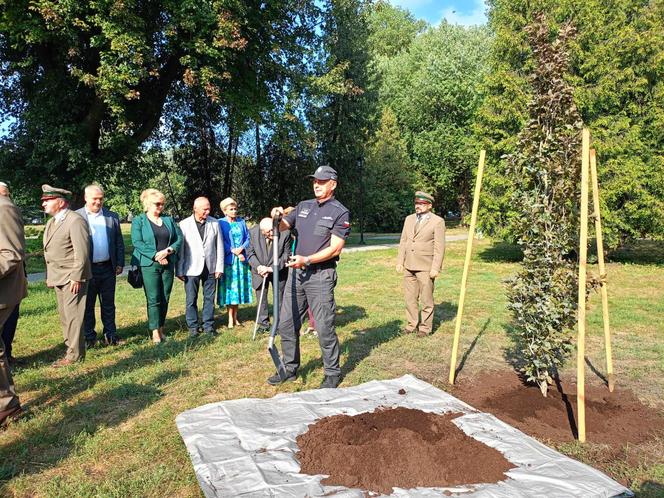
196 252
116 247
13 284
422 247
257 254
67 250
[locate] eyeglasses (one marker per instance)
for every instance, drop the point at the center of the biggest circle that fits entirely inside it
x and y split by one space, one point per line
158 204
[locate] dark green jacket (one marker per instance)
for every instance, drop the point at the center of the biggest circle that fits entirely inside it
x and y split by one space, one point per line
145 245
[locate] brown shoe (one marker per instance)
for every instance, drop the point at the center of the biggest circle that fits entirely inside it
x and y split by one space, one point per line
406 332
62 362
422 334
10 415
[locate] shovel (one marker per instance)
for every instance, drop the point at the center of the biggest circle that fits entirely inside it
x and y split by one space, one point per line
258 310
272 349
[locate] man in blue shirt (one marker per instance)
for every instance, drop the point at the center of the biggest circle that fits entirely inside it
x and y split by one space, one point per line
322 226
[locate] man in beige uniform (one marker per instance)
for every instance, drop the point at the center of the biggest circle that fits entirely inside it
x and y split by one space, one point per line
67 255
420 257
13 288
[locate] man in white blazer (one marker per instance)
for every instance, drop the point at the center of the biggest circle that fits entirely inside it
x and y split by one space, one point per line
201 262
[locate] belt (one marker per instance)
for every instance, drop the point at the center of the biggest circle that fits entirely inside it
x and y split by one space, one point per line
102 263
325 265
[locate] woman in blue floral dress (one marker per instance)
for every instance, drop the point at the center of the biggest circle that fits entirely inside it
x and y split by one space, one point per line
235 285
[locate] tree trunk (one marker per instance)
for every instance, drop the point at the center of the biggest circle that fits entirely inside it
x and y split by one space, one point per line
229 159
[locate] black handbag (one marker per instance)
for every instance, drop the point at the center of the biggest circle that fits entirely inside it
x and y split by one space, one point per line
135 277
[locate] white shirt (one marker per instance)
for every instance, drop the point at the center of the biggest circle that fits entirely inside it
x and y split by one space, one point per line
97 225
61 215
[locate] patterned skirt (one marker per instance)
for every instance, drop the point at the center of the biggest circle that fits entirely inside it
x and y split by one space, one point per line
235 285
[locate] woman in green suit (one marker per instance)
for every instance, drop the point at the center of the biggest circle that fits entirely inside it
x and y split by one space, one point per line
157 240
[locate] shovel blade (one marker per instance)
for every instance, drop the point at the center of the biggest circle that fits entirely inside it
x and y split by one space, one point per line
278 362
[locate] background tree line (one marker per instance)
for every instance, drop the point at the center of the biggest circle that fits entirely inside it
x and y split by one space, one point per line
245 98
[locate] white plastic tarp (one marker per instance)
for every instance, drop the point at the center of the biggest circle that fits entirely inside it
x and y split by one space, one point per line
246 447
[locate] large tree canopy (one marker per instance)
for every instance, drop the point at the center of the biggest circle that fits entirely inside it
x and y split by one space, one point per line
86 82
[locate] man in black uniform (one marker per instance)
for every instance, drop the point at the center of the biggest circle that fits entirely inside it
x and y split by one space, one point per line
322 224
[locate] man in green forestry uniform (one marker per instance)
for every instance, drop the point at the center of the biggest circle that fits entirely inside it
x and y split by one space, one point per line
67 255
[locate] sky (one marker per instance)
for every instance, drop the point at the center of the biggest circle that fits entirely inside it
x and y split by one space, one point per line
464 12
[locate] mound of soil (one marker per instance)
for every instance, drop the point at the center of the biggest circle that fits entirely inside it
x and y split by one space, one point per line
398 447
616 418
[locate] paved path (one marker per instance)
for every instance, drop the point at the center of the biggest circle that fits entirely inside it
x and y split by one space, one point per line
39 277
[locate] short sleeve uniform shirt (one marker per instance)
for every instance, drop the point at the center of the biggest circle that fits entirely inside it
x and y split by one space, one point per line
316 222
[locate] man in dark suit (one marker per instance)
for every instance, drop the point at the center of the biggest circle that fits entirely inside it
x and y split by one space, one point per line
260 255
67 255
107 252
13 288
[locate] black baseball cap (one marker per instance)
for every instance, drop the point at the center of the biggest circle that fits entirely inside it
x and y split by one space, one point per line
325 172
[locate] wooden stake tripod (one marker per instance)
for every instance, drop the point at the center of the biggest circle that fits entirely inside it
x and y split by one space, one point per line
588 162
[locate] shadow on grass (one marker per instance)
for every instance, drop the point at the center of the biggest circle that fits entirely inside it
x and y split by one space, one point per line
466 353
45 446
443 312
357 347
638 252
137 330
501 252
79 378
651 488
642 252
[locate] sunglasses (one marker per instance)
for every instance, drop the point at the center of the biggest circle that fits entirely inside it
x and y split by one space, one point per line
158 203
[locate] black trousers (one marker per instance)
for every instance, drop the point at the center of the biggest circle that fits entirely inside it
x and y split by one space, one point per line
263 315
102 285
312 288
9 330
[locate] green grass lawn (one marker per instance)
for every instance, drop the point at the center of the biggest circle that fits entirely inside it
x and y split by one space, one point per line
107 427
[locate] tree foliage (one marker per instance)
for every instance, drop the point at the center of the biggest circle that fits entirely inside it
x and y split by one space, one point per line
433 87
86 82
389 183
344 105
545 171
616 71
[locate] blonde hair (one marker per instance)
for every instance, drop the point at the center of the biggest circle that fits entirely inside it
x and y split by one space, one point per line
227 202
150 195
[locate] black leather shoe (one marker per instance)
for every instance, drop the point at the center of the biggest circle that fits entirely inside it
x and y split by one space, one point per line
331 382
113 340
10 415
275 380
90 343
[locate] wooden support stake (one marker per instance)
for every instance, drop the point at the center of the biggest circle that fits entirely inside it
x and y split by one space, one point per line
466 265
602 268
581 303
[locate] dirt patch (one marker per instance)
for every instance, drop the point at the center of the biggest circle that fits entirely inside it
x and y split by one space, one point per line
616 418
397 447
